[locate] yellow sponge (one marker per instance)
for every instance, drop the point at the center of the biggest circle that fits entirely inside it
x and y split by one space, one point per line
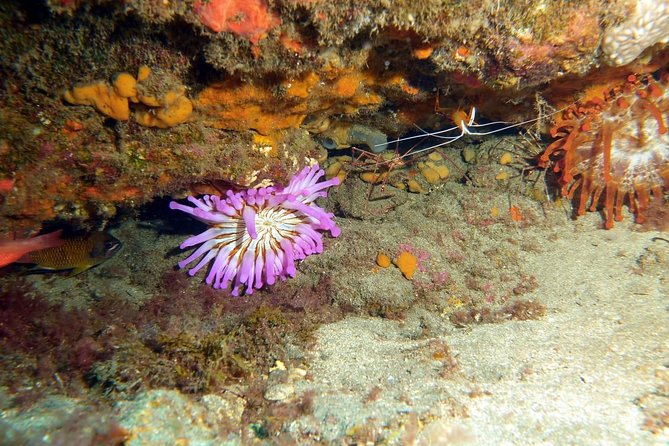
125 85
101 96
113 100
175 110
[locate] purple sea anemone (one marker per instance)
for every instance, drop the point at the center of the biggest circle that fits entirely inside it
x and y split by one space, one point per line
256 235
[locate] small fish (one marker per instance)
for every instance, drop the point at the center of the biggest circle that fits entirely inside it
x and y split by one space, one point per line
76 254
12 250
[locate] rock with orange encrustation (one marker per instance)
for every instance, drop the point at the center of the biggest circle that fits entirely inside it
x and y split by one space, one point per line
268 107
174 108
234 105
143 72
102 96
251 19
383 260
125 85
434 169
161 98
423 51
162 109
407 264
415 187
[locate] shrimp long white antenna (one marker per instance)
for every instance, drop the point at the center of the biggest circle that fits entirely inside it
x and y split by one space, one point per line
469 128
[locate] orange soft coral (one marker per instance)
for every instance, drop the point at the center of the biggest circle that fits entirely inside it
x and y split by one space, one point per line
615 145
250 19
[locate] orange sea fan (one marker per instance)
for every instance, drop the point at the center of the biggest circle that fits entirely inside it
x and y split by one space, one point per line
616 146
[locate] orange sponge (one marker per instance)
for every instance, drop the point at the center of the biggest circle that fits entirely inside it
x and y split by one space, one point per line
383 260
175 109
407 263
114 100
125 85
101 96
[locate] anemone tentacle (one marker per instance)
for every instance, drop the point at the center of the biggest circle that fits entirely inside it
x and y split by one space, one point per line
257 235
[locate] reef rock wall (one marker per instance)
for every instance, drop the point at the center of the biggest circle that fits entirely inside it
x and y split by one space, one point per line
106 105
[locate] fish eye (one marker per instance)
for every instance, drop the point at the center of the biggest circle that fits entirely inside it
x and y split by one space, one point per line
111 245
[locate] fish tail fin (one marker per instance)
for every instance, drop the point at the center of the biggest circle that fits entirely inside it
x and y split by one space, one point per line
50 240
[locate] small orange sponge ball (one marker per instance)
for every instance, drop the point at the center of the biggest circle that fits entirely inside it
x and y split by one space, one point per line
383 260
407 263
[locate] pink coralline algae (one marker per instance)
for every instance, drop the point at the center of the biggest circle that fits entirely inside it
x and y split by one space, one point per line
250 19
257 235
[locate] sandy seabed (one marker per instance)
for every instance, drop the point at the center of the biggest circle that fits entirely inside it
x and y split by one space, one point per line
594 369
